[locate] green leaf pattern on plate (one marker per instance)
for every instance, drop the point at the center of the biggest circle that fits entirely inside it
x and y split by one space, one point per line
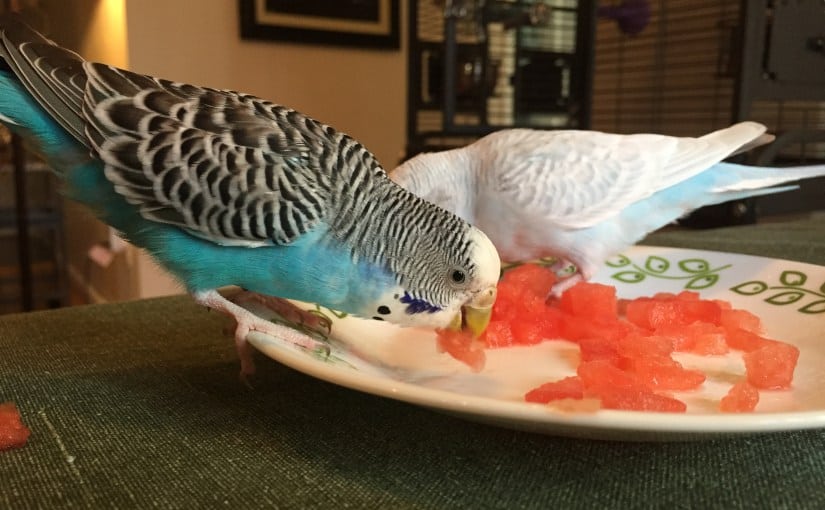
697 273
790 291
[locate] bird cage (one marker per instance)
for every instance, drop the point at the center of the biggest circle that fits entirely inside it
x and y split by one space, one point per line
476 66
701 64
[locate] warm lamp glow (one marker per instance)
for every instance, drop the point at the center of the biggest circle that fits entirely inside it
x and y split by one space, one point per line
106 38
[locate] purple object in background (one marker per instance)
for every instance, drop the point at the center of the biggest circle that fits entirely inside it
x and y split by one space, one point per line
632 16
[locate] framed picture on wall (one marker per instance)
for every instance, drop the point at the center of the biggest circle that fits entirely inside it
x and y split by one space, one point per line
359 23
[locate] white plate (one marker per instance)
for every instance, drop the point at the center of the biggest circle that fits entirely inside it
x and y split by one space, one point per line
403 363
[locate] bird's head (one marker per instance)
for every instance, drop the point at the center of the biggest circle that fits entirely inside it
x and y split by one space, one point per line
477 290
452 289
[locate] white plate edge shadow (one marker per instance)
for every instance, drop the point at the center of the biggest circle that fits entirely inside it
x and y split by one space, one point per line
602 424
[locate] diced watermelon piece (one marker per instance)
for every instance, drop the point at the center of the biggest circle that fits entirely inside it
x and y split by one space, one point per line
630 400
509 303
601 375
740 319
521 306
655 313
698 337
463 347
536 322
771 366
599 348
618 389
741 398
575 328
569 387
505 308
525 332
13 433
640 312
595 301
744 340
637 345
529 279
621 306
663 373
710 344
498 334
550 322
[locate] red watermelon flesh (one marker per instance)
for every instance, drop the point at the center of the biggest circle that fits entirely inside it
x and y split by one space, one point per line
626 345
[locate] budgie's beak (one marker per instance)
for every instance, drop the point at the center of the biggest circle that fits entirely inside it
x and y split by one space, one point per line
475 315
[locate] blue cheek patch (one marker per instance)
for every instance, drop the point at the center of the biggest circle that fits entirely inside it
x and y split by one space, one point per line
417 305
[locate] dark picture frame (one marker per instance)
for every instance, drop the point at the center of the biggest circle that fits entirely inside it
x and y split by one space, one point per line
353 23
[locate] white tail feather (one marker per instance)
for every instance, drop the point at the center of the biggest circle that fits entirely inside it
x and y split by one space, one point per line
752 178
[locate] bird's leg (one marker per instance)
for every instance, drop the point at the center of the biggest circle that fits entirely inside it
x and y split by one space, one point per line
562 285
569 275
248 321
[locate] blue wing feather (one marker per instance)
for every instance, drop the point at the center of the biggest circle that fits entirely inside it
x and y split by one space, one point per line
198 263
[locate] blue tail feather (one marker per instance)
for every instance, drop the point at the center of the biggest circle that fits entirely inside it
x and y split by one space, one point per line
24 116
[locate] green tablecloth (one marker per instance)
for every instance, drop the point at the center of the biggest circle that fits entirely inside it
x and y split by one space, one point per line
139 405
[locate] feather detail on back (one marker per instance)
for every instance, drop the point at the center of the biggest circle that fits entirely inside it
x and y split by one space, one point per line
204 159
581 178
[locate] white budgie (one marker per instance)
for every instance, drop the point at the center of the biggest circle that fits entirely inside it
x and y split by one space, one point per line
582 196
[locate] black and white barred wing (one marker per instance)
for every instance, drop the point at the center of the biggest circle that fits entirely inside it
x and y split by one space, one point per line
53 75
227 167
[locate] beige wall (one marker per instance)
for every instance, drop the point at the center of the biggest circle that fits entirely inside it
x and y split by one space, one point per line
361 92
93 28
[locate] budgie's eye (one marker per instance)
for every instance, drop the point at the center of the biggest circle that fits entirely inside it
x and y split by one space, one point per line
458 276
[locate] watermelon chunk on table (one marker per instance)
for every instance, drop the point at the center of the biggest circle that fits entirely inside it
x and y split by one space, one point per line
13 433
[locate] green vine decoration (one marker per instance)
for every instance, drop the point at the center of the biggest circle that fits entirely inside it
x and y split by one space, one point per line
544 262
697 272
791 290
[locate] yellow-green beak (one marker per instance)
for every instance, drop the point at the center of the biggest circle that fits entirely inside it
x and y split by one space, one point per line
475 315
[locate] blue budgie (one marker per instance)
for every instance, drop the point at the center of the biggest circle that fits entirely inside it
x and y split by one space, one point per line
225 189
582 196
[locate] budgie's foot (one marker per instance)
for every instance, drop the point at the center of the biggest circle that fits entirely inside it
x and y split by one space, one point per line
286 310
248 321
568 275
561 286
